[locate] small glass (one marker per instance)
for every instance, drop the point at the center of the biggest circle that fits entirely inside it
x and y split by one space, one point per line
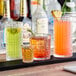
27 53
41 46
62 37
13 40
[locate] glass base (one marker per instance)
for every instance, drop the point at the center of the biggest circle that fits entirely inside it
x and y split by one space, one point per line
10 59
28 61
42 58
62 56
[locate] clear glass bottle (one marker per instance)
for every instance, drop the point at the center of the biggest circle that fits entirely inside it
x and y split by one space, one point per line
26 23
23 10
39 19
50 5
33 6
6 18
15 9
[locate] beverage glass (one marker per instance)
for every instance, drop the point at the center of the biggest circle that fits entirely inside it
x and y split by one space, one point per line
13 41
41 46
62 38
27 53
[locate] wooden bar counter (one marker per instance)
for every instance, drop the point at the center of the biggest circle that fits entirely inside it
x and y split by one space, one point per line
45 70
55 69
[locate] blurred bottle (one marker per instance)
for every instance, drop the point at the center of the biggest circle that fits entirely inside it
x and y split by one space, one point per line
15 9
23 10
29 9
39 19
1 8
50 5
68 10
1 37
18 7
34 4
6 10
68 6
26 26
24 6
6 18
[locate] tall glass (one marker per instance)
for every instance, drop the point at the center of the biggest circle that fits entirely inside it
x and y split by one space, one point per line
41 46
13 41
62 38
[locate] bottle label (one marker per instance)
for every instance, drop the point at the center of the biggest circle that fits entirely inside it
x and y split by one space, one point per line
42 25
26 34
70 4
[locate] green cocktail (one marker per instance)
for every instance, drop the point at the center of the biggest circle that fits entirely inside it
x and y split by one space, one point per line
13 43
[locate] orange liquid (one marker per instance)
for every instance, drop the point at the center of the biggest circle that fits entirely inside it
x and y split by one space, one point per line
41 47
62 36
27 54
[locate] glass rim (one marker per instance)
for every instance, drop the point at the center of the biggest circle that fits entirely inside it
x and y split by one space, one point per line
62 18
70 12
40 35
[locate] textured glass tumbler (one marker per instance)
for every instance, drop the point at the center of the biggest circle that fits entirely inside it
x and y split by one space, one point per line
13 41
41 46
62 38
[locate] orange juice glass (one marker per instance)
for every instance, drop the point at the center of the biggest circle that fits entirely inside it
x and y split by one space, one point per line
41 46
62 38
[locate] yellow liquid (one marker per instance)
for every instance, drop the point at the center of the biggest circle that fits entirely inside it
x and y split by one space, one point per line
1 7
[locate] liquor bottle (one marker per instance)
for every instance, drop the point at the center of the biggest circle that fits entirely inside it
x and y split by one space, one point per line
26 23
6 10
17 9
6 18
26 26
39 19
23 10
26 20
50 5
1 8
33 6
14 9
68 7
29 9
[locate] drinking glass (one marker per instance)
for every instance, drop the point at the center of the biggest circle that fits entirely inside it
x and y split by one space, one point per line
62 37
41 46
27 53
13 40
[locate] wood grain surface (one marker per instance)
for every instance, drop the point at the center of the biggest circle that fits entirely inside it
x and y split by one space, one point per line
46 70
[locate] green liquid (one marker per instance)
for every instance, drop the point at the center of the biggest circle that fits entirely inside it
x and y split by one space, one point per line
13 42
